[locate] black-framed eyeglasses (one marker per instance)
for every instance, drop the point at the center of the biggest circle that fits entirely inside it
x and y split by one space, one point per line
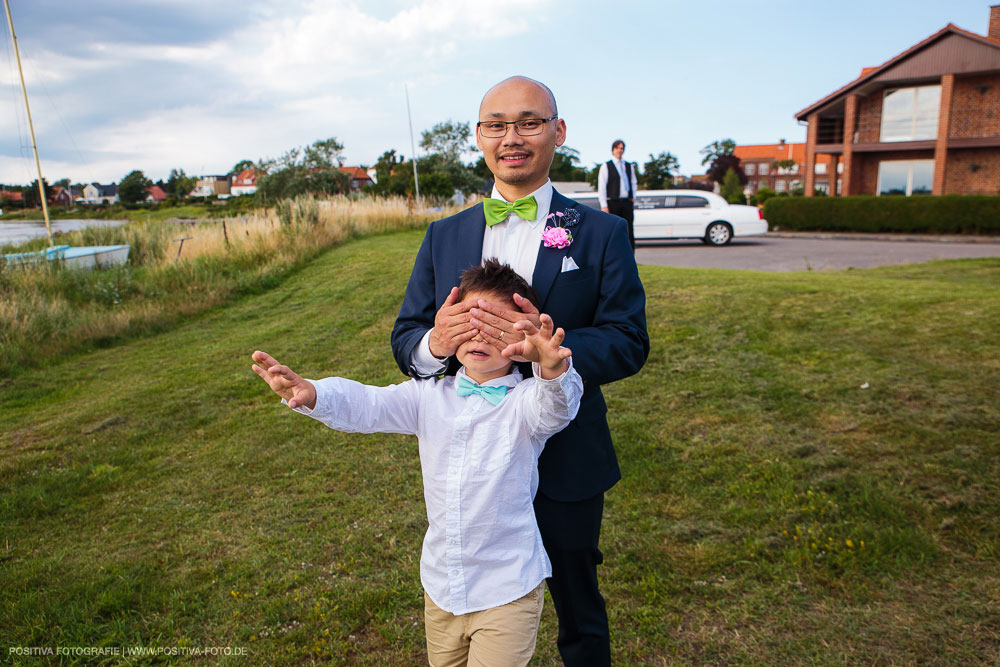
526 127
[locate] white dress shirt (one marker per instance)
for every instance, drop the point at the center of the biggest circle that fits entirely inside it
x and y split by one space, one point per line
479 461
514 242
602 182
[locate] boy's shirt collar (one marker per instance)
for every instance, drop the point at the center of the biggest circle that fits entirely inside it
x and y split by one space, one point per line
510 380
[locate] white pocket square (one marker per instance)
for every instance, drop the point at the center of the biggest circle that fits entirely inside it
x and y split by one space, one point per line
569 265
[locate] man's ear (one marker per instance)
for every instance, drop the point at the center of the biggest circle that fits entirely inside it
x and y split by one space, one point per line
560 132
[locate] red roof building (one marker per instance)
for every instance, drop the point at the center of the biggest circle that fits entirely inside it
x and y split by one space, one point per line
927 121
359 177
771 166
154 193
244 183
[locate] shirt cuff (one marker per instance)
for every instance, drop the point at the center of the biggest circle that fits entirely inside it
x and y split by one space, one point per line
536 371
304 410
423 361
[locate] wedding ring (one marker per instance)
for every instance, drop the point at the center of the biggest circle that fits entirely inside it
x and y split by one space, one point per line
500 337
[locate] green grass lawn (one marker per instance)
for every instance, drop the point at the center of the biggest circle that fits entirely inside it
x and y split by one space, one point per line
811 476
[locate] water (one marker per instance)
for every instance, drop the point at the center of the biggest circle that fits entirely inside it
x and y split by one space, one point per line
16 232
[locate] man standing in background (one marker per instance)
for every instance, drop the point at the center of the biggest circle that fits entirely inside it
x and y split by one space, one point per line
616 187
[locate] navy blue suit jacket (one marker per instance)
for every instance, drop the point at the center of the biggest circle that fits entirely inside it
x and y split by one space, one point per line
601 305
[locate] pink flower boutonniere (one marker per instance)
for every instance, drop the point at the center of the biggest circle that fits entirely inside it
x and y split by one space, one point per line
556 237
557 234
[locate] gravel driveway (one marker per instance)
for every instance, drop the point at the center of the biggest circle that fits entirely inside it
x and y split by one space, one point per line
803 251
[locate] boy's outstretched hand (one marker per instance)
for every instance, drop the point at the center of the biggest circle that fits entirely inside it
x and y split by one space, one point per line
543 346
284 382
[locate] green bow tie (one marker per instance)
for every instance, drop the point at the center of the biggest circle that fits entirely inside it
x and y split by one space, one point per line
497 211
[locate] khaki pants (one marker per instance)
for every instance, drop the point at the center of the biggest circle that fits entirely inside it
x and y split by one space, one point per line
498 637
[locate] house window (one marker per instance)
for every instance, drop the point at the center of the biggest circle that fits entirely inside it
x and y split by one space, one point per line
910 114
779 185
905 177
750 169
820 168
764 168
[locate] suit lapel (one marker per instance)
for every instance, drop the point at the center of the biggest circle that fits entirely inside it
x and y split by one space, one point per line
548 264
470 242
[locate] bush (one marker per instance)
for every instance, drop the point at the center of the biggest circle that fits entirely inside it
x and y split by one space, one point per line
948 214
762 196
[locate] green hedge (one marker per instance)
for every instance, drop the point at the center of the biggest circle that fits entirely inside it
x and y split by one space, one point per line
949 214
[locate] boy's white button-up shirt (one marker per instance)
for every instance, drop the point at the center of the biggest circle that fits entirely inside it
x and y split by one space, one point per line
479 462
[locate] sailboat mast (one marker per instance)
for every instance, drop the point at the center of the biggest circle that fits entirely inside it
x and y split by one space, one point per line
31 126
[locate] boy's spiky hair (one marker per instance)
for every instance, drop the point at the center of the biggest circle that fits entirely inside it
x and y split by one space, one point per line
496 278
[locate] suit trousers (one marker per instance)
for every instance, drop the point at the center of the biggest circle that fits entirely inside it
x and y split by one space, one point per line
570 532
623 209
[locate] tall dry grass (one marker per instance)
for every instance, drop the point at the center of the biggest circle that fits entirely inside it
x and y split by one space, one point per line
48 310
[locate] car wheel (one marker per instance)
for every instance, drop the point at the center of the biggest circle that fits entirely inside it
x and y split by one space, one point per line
718 233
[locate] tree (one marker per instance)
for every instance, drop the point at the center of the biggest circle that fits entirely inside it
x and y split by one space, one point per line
241 166
323 154
732 189
594 174
179 184
787 166
132 188
722 165
386 165
449 139
30 194
565 165
658 172
717 149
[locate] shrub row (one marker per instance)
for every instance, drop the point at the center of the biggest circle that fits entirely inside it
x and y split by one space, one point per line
948 214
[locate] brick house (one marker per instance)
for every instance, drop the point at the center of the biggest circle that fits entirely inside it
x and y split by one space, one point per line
925 122
761 162
359 177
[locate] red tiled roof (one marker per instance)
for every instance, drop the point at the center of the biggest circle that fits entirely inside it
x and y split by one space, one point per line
356 173
246 178
774 152
9 195
156 192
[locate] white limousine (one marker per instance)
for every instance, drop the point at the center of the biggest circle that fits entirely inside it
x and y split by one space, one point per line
688 214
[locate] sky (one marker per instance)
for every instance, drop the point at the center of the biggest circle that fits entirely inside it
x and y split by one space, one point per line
117 85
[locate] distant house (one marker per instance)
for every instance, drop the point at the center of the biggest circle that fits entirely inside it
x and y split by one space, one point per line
244 183
154 194
95 193
11 197
760 163
924 122
60 196
359 177
208 186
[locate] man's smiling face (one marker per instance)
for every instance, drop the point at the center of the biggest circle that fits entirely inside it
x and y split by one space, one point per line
520 164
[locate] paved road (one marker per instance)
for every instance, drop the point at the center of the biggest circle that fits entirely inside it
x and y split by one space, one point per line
802 252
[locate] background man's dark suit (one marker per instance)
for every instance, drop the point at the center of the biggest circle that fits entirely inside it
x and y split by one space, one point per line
601 305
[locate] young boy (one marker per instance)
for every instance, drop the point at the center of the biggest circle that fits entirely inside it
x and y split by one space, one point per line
479 433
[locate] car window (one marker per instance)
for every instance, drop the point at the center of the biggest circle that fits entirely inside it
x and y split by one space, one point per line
691 202
650 202
592 202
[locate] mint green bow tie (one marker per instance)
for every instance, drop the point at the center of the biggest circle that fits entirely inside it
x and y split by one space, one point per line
494 394
497 211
